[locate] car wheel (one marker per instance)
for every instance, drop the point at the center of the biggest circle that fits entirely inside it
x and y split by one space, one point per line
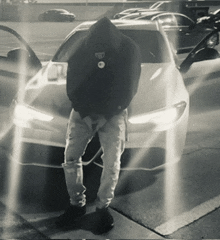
206 54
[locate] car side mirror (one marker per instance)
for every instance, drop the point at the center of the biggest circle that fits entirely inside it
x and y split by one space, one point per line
201 55
206 54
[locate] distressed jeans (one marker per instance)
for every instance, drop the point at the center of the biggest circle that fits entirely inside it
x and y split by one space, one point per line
112 139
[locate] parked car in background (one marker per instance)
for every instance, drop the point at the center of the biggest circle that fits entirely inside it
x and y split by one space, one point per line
211 20
157 6
161 5
159 109
128 12
57 15
183 33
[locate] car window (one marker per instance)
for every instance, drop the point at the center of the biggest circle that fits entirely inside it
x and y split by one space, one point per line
51 11
60 11
147 17
152 45
64 52
183 21
131 16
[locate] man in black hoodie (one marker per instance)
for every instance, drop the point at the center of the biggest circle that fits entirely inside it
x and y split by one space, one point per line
102 78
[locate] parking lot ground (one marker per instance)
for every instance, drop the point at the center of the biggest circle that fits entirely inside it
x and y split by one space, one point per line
206 227
34 221
41 226
124 228
33 224
14 226
200 221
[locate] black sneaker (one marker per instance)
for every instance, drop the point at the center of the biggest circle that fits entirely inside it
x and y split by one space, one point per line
70 216
103 221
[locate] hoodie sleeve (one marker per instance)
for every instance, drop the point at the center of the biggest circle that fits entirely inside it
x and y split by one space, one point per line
130 70
79 66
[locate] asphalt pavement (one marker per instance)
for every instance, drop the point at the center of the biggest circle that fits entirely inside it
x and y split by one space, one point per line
26 219
199 220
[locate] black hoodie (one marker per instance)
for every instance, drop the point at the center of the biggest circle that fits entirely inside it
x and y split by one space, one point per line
104 71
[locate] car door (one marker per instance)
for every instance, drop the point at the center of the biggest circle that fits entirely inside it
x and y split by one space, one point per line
18 63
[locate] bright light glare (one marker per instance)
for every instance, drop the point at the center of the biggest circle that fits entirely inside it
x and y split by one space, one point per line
156 74
172 183
27 114
162 117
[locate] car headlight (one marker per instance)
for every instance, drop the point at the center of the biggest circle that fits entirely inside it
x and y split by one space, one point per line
161 117
24 114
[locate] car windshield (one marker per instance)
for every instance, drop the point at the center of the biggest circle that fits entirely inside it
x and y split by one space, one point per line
62 11
152 45
140 14
144 17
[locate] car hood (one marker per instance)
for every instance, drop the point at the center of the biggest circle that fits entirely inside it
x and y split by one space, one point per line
156 90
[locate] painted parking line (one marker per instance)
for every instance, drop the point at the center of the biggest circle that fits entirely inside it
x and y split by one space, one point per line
186 218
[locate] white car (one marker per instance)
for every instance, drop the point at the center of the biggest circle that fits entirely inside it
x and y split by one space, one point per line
157 116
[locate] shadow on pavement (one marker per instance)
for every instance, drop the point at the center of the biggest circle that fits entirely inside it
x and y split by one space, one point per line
88 222
12 226
44 189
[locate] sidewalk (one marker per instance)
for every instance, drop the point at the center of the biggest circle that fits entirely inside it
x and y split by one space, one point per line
41 226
